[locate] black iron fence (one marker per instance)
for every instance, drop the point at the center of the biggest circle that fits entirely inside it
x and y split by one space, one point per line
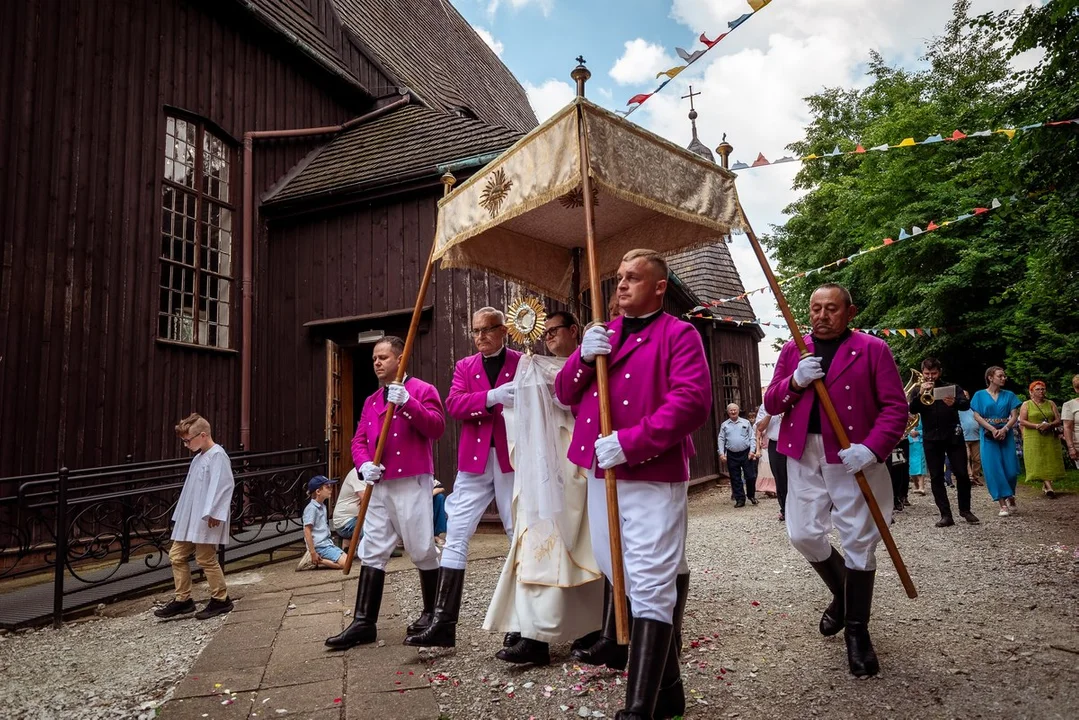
104 531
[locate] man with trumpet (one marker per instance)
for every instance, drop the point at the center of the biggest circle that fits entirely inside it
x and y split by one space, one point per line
942 436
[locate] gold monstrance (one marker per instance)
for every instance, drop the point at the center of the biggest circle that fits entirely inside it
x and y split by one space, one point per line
526 320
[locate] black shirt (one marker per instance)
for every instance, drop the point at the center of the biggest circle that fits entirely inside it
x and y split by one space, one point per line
939 422
632 325
493 365
826 350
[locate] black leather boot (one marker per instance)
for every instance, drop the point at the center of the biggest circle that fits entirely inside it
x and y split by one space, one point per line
368 601
606 650
860 654
428 588
526 651
671 701
649 649
442 632
834 573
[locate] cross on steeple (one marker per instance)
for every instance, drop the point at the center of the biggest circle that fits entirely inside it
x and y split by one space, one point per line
581 61
691 96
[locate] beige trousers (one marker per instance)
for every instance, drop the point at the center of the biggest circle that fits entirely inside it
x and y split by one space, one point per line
974 459
206 557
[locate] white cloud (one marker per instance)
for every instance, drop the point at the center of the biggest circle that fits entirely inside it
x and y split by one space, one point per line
488 38
545 6
549 97
640 62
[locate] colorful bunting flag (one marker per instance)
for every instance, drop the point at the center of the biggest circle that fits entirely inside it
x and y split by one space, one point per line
672 72
761 160
738 21
637 99
758 4
709 43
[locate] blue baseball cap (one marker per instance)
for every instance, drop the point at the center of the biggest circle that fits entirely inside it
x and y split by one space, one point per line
318 481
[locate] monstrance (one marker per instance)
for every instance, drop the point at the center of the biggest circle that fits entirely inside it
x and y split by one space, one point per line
526 320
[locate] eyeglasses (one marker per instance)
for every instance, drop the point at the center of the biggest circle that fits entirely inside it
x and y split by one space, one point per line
476 332
550 332
188 441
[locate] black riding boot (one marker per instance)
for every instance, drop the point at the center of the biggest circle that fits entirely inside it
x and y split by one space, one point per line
368 601
671 701
442 632
834 573
649 648
428 588
606 650
860 654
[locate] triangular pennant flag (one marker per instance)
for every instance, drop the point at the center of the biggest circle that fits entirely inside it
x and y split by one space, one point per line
907 142
931 226
957 135
882 148
902 332
886 332
1031 126
636 99
758 4
982 133
672 72
995 204
979 211
936 331
946 223
784 159
888 241
859 149
685 55
710 43
932 139
811 157
916 231
739 166
738 21
1058 122
1010 132
761 160
964 216
661 86
835 151
903 234
919 331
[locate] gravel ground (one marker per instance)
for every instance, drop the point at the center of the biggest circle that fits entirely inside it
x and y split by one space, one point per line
98 668
993 634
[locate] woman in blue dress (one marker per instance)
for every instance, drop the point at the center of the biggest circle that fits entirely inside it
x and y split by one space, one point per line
917 459
996 410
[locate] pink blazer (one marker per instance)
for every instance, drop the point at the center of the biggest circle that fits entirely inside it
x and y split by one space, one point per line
467 402
865 388
414 428
661 391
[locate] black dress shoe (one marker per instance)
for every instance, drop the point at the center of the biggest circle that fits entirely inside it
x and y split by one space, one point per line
753 500
585 641
175 607
945 521
510 639
970 517
526 652
740 503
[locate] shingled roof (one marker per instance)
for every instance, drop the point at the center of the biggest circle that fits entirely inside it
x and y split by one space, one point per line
405 144
432 50
710 273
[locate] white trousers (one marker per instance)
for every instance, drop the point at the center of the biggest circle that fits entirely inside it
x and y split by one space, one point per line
654 522
472 493
400 510
820 495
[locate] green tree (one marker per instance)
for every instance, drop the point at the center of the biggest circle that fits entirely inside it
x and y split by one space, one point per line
993 280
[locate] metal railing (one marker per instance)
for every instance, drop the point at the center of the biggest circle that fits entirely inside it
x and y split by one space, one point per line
104 525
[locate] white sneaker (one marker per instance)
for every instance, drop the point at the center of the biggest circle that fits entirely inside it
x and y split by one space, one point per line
1003 513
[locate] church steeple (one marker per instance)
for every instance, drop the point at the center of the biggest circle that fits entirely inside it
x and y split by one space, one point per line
695 145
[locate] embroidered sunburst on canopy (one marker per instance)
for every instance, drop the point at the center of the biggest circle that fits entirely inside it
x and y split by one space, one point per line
522 215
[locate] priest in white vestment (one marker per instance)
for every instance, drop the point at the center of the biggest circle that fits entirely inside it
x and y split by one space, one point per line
551 589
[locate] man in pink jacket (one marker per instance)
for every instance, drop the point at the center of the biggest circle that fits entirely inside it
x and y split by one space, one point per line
482 385
660 392
400 507
865 387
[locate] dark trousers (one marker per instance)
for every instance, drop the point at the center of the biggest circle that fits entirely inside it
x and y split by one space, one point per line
739 464
900 473
956 451
778 463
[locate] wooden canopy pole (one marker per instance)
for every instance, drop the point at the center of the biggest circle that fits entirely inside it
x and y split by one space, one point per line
833 418
413 329
614 526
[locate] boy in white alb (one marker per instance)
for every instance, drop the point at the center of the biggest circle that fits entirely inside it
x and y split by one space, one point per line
201 521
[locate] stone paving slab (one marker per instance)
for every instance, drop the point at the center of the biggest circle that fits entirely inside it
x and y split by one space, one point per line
316 589
306 698
292 653
216 682
262 616
410 704
220 657
321 624
324 668
247 635
207 708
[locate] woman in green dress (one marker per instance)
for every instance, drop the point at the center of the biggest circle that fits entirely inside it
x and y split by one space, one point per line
1039 419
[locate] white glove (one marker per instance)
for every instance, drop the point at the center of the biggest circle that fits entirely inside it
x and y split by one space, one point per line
609 451
596 341
397 394
501 395
371 473
856 457
807 371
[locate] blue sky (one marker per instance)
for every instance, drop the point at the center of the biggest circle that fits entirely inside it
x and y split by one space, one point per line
754 82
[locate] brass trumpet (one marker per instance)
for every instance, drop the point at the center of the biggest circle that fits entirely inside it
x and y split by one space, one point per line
916 380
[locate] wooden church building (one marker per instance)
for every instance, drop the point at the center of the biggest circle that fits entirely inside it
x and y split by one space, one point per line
216 206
